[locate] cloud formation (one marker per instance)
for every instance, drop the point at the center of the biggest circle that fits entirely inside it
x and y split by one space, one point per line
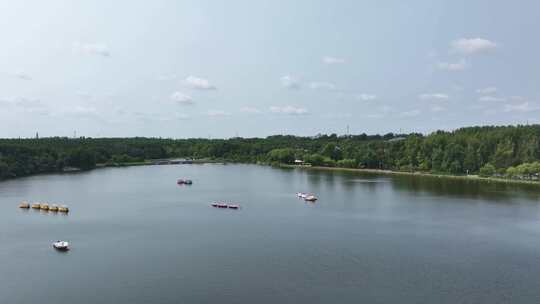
469 46
290 82
288 110
181 98
434 96
333 60
92 49
198 83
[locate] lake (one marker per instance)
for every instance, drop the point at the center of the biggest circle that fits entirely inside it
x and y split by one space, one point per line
137 237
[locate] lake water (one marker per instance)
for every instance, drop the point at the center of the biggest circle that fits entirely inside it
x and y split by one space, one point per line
137 237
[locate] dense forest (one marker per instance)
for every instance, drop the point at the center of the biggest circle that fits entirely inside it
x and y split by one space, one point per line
511 151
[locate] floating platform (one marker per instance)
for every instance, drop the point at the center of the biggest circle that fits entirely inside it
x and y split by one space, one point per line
225 205
63 208
44 207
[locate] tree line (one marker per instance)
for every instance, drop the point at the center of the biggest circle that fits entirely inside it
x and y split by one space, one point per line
512 151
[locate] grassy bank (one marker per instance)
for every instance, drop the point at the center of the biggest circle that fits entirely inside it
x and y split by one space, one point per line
423 174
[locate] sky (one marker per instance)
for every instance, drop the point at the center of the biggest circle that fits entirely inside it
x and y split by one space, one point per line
221 69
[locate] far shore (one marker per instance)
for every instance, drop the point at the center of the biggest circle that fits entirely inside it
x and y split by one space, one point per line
320 168
416 173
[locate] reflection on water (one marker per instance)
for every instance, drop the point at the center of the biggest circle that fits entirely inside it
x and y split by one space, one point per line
432 185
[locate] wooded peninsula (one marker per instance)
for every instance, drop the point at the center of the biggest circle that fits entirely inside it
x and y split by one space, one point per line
502 151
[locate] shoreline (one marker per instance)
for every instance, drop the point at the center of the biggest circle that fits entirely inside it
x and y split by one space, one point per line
419 174
320 168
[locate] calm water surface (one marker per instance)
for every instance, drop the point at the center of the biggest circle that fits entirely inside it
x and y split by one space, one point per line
137 237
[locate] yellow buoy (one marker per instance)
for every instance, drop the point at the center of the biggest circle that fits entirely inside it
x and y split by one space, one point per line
44 206
53 208
36 206
24 205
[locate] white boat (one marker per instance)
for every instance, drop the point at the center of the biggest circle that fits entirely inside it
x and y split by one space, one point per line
310 198
301 195
61 245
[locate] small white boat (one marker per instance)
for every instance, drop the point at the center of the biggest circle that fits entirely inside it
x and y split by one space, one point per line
301 195
310 198
61 245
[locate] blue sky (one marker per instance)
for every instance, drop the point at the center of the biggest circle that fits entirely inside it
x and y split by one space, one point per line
256 68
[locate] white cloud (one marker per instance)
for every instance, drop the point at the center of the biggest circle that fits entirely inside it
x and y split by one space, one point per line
491 99
411 113
92 49
199 83
367 97
433 96
217 113
472 45
290 82
322 86
453 67
22 75
181 98
289 110
333 60
522 107
250 110
488 90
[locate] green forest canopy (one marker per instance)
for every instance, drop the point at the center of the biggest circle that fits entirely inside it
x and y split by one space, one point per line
486 150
